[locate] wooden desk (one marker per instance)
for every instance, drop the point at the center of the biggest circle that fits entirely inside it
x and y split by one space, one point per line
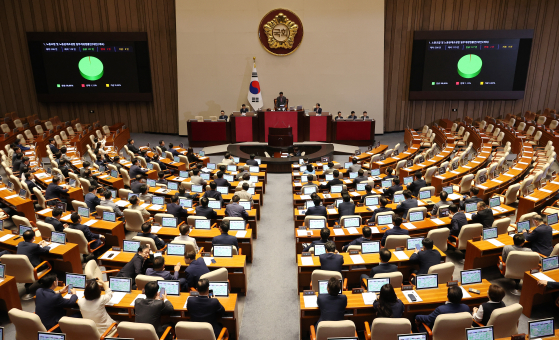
393 161
151 174
24 206
538 198
9 293
366 156
533 294
236 266
44 180
435 161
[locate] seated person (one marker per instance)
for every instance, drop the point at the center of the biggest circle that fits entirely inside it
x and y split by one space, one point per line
324 237
176 210
184 229
483 313
367 236
137 183
396 230
518 240
454 305
352 116
383 202
136 265
55 191
50 306
135 201
317 109
246 179
225 238
150 309
146 232
30 182
331 260
213 193
339 116
244 194
87 175
159 270
406 204
252 160
136 169
309 170
471 198
220 181
332 306
443 195
334 181
91 199
33 251
223 116
426 257
387 304
202 308
195 268
89 236
161 178
360 177
484 215
389 192
354 167
457 220
234 209
55 220
330 169
131 147
318 209
108 202
296 152
417 184
389 174
368 192
384 266
346 208
227 159
92 307
365 116
540 238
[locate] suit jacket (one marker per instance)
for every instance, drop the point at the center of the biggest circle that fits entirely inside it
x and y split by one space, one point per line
383 268
136 170
317 211
177 211
426 258
194 270
390 191
439 204
252 162
225 239
356 242
207 212
213 194
89 236
58 226
317 110
50 306
235 210
346 208
447 308
16 165
350 117
397 308
159 243
406 205
313 243
31 185
354 168
33 252
331 261
540 239
133 268
338 117
394 231
165 274
416 185
116 208
457 222
92 201
244 195
151 310
281 101
335 181
379 210
484 217
360 179
132 148
197 180
223 117
474 199
54 191
53 148
174 152
135 186
331 308
205 309
222 182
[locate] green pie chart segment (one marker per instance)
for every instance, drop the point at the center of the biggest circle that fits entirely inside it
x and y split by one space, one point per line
469 66
91 68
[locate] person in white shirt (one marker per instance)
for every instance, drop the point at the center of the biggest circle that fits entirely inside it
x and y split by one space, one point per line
243 194
227 159
92 306
185 230
483 313
246 179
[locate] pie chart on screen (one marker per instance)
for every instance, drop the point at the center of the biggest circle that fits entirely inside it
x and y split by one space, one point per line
469 66
91 68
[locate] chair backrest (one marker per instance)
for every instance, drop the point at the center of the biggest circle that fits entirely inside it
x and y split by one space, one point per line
188 245
537 136
319 274
553 124
158 218
468 232
19 267
466 183
521 127
199 118
396 278
145 240
220 274
530 131
102 208
45 229
389 328
525 184
400 165
505 320
511 193
555 250
394 241
137 331
78 204
481 172
439 237
141 280
77 237
16 183
502 225
428 176
335 329
123 194
92 270
452 326
541 120
194 330
20 220
125 176
445 271
519 262
453 127
79 328
134 220
41 201
106 130
27 324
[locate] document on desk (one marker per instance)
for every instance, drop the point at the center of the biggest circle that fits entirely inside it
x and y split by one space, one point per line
517 169
369 298
161 191
420 203
531 198
208 260
52 246
401 255
414 293
156 207
44 211
495 242
440 177
90 222
455 172
338 231
501 209
453 197
545 190
409 226
465 293
468 216
140 296
553 182
67 217
307 260
122 203
475 162
115 299
481 186
310 301
354 193
155 229
79 294
297 184
305 197
332 211
6 237
296 174
497 181
509 175
145 205
10 197
542 276
357 259
301 232
241 233
352 230
374 230
104 176
437 221
108 255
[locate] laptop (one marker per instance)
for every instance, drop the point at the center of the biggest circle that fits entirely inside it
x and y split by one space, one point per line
442 170
323 289
384 219
120 284
254 169
245 204
149 165
489 233
169 222
319 249
309 190
351 222
201 153
347 165
523 226
130 246
202 224
468 277
49 336
386 183
408 180
360 186
72 182
352 175
160 200
183 174
113 193
130 195
409 163
371 247
552 219
58 237
258 160
309 204
317 224
329 177
414 243
494 202
185 202
398 198
236 159
1 225
76 280
338 202
175 249
416 216
480 333
229 178
210 166
24 228
470 207
2 275
151 182
83 212
371 200
375 172
541 328
231 168
237 225
550 263
374 285
109 216
205 176
195 188
336 189
414 336
444 212
219 288
176 159
223 250
114 173
214 204
425 195
427 281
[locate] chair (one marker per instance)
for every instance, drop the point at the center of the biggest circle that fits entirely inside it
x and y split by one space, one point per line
553 124
467 232
77 237
123 194
465 184
439 237
445 271
82 329
139 331
188 246
78 204
93 271
15 181
191 220
517 263
198 330
45 229
199 118
20 220
541 120
142 280
150 241
382 214
396 278
319 274
450 326
429 174
27 324
20 267
85 184
521 127
387 328
401 164
41 201
536 139
220 274
333 329
502 225
510 194
505 321
464 140
428 188
134 220
125 176
555 250
158 218
394 241
102 208
416 209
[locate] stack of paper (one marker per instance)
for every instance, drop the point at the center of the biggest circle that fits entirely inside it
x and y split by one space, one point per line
496 242
310 301
374 230
241 233
53 245
542 276
307 261
44 211
140 296
122 203
208 260
145 205
115 299
352 230
305 197
301 232
156 207
332 211
67 217
437 221
10 197
465 294
354 193
369 298
357 259
409 226
90 222
338 232
6 237
155 229
107 254
401 255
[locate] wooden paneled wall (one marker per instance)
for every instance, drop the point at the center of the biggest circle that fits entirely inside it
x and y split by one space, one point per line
156 17
404 17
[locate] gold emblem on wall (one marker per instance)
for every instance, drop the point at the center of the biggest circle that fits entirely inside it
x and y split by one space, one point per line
280 32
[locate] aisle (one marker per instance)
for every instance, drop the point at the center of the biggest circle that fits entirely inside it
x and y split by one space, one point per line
271 307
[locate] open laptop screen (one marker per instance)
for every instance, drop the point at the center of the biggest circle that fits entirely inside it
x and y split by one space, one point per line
541 328
471 276
427 281
479 333
374 285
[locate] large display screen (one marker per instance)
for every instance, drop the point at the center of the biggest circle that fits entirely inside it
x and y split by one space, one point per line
70 67
461 65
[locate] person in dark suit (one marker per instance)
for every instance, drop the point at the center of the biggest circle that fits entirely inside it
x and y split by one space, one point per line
159 270
213 193
234 209
252 160
368 192
406 204
244 109
162 166
471 198
367 236
383 202
454 306
324 237
384 265
132 148
417 184
388 305
332 305
540 238
89 236
346 208
150 309
426 257
389 192
352 116
225 238
222 182
52 146
483 313
146 232
162 145
195 268
331 260
33 251
365 116
389 174
484 215
202 308
54 190
176 210
29 181
458 220
137 183
360 177
204 210
281 101
317 210
339 116
91 198
318 109
396 230
55 220
335 181
161 178
116 163
136 265
50 306
223 116
135 169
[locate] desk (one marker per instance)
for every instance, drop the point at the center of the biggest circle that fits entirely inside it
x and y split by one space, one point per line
24 206
538 198
244 128
435 161
9 293
44 180
356 132
207 133
236 266
534 294
393 161
151 174
281 119
366 156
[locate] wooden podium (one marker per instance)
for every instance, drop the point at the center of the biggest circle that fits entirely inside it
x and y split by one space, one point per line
281 137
